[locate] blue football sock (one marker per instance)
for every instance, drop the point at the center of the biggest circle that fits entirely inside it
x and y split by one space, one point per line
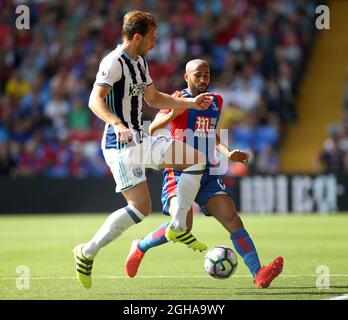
154 238
246 249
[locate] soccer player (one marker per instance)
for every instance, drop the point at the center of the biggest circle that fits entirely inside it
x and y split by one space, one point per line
122 85
212 196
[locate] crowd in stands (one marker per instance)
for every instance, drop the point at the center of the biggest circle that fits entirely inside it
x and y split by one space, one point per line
334 156
257 51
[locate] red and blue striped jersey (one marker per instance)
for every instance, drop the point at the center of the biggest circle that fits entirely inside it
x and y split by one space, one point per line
198 127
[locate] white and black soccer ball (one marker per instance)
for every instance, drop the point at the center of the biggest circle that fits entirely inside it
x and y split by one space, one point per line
220 262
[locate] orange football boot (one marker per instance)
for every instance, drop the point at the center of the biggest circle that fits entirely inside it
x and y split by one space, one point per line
266 275
134 258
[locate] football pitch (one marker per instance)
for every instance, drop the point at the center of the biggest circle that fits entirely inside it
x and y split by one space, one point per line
37 263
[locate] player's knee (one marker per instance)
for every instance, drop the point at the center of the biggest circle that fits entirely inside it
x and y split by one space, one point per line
143 205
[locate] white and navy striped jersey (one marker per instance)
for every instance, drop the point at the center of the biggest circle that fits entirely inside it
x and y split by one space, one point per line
128 79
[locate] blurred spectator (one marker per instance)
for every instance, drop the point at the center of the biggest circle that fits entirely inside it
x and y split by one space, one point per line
332 158
59 167
250 135
246 96
34 101
292 49
7 164
79 120
343 136
172 48
345 93
78 166
268 161
16 87
244 133
3 133
56 110
96 163
30 162
273 97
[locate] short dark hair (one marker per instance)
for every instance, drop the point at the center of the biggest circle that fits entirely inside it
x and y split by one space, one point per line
137 21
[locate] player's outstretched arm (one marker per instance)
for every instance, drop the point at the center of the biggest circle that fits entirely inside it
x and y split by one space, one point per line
160 100
234 155
165 116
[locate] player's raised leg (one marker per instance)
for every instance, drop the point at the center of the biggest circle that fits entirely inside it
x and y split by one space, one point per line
139 206
223 209
192 163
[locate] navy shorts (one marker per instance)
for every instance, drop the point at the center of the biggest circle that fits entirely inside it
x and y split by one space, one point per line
210 185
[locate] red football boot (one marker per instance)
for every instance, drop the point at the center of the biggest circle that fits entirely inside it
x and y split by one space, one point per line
266 275
134 258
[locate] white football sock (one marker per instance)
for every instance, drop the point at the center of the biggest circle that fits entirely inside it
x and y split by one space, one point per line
188 186
115 224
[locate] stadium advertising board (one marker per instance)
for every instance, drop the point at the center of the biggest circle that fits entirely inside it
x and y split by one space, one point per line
260 194
295 193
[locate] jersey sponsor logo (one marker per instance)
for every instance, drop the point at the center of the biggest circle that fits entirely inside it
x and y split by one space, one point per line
205 127
137 89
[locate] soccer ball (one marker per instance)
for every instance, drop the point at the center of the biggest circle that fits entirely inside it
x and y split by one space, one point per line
220 262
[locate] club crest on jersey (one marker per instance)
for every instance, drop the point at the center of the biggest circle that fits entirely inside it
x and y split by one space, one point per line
205 127
214 107
136 89
138 172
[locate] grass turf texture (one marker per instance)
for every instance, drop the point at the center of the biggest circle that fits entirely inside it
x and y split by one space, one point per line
171 271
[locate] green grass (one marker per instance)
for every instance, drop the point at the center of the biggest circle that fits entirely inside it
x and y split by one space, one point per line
44 244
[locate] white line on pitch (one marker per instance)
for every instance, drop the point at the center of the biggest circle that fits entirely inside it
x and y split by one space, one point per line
161 277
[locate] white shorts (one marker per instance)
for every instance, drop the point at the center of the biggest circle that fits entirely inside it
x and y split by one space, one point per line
128 164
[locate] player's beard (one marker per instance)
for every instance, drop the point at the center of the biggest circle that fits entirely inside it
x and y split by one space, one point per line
141 50
199 91
194 88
